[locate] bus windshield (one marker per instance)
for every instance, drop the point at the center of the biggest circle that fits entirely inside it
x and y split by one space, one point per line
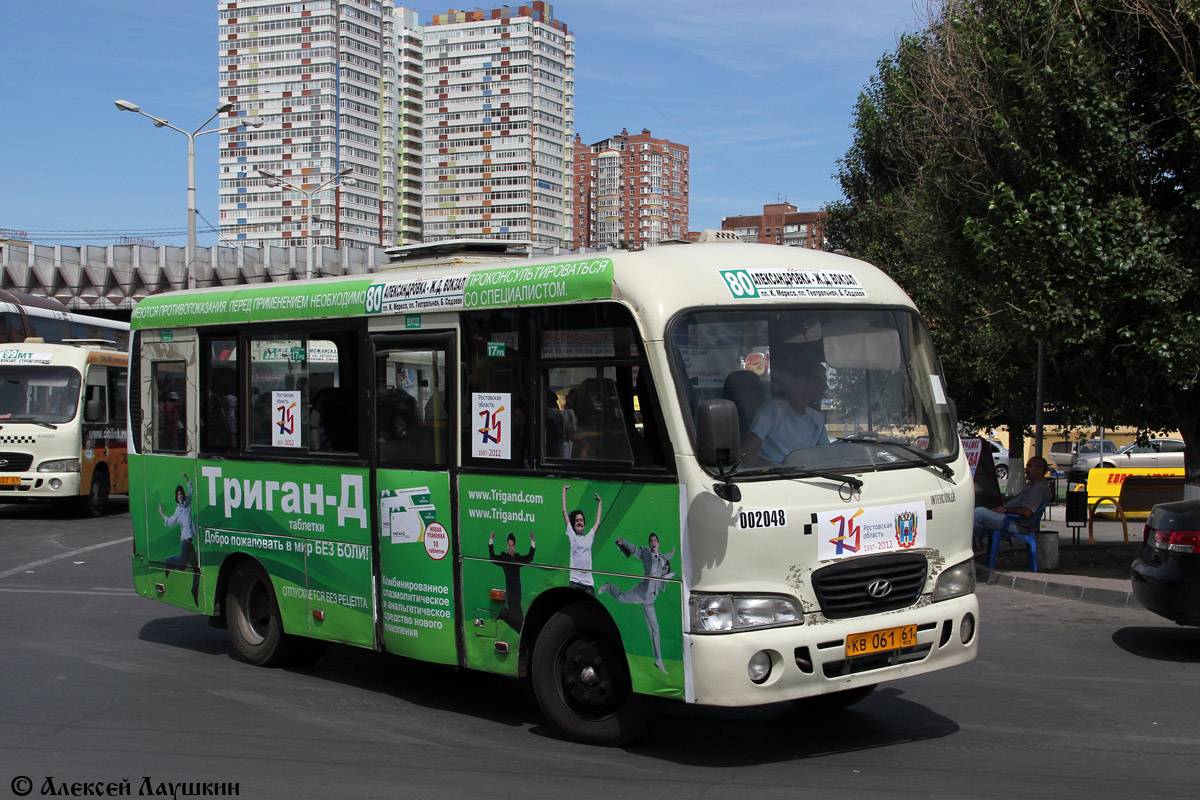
38 394
826 388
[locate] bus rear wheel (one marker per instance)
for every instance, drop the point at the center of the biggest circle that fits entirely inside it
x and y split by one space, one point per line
255 625
95 501
581 679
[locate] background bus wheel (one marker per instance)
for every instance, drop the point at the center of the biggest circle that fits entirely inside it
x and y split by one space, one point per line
95 501
255 627
581 679
834 701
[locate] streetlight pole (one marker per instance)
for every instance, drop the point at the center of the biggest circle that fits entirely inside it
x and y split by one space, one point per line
275 180
190 255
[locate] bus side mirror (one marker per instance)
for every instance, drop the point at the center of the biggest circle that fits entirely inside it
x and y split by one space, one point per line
718 434
92 411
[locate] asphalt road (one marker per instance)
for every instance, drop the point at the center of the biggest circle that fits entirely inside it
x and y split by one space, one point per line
99 686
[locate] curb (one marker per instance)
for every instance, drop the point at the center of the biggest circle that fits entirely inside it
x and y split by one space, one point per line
1035 584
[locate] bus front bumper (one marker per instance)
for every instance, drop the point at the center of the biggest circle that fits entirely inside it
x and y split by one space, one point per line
39 486
811 659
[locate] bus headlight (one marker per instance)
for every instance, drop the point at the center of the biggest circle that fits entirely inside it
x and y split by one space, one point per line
956 581
724 613
59 465
759 668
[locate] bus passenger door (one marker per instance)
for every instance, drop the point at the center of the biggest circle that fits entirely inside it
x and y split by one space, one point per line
414 520
165 434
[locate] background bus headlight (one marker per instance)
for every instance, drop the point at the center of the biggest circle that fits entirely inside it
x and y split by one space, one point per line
956 581
723 613
59 465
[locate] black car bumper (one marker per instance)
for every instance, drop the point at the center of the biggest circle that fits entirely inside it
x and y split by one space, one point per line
1170 588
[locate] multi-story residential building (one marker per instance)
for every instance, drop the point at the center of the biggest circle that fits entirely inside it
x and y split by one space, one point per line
631 190
336 85
410 113
779 223
499 123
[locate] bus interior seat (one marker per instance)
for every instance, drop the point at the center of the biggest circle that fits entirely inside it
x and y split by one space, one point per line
600 420
336 422
745 389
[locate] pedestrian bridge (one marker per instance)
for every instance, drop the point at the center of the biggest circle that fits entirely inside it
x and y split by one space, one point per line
116 277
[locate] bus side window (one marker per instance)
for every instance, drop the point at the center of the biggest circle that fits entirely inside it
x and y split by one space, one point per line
219 388
496 363
118 380
334 393
169 396
598 401
411 412
304 391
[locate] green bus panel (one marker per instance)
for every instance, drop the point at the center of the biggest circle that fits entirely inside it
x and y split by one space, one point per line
612 561
416 564
308 525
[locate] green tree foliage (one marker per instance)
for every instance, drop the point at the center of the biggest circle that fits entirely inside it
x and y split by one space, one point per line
1030 171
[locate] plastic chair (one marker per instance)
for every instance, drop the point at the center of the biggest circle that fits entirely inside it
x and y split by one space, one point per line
1030 538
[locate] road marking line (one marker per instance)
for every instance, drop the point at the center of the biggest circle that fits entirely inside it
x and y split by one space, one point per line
60 556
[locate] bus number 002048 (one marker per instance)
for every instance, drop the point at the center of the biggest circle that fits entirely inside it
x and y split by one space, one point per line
762 518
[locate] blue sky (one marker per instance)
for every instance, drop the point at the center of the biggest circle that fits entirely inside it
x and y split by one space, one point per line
762 91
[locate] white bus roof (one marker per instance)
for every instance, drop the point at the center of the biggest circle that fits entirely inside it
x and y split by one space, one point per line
658 282
46 353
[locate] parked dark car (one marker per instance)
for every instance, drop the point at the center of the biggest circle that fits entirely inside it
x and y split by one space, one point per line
1166 577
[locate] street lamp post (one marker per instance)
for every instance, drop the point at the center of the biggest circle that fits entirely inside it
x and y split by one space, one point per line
275 180
125 105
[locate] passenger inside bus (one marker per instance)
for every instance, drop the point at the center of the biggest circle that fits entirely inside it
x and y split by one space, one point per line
792 422
601 423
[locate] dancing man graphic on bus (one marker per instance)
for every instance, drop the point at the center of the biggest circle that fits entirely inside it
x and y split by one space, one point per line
657 568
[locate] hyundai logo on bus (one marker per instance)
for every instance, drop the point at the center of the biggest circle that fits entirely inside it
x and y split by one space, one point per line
879 589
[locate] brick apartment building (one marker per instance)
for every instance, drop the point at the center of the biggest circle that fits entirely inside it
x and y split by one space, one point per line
630 188
779 223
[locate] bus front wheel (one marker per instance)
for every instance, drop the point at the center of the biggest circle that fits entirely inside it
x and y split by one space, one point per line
95 501
581 679
255 625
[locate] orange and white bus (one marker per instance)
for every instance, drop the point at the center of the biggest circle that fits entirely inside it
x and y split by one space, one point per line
63 423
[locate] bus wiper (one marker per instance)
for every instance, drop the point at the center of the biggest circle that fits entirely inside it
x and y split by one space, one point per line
805 472
30 421
944 468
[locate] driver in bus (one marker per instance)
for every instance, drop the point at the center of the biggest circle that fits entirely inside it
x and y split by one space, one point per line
791 422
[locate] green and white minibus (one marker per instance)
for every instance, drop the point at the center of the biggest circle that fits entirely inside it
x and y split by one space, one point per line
724 474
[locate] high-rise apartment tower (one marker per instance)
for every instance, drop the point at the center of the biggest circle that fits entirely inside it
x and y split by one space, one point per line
336 85
499 125
630 189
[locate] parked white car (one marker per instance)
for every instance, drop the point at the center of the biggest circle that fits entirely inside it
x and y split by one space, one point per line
1000 458
1161 453
1063 453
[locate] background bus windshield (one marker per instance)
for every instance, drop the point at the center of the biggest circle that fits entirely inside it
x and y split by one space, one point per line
38 394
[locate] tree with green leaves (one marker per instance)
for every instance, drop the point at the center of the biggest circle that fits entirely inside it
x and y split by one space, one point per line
1029 171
